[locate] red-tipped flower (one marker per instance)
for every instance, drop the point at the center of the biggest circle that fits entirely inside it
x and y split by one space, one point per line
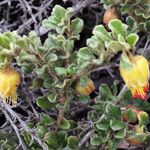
135 73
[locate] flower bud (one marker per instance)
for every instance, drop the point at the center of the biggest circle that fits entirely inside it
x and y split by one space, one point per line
109 15
86 89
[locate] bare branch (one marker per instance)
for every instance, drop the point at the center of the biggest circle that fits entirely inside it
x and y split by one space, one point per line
21 142
23 124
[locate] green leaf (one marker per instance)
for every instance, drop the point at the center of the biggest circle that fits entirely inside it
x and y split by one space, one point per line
4 41
95 140
45 119
131 115
103 123
101 33
40 131
48 83
125 9
114 46
132 40
120 134
112 110
143 118
60 71
51 57
59 12
76 26
122 41
68 45
125 62
130 21
147 25
117 27
40 71
104 136
37 83
52 98
85 54
95 45
105 92
62 85
117 125
73 142
72 69
65 124
84 99
27 69
113 144
51 139
44 103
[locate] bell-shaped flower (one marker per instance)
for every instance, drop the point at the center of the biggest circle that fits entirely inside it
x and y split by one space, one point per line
135 73
9 82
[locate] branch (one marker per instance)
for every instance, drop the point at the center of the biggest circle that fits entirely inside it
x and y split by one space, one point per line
31 20
23 124
21 142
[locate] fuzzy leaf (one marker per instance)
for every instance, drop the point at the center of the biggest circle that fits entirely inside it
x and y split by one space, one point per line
52 98
125 62
44 103
40 131
131 115
120 134
112 110
65 124
101 33
105 92
122 41
85 54
37 83
95 140
73 142
103 124
45 119
72 69
60 71
132 40
76 26
117 125
117 27
114 46
143 118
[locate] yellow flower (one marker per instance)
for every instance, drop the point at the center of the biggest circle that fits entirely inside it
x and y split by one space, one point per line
135 73
9 81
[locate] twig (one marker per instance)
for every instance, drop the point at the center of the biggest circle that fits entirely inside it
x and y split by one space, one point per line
30 21
60 117
124 89
23 124
146 45
21 142
105 67
86 137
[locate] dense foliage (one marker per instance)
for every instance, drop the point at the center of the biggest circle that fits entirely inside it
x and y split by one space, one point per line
70 110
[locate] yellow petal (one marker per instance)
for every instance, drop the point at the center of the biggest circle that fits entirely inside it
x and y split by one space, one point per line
136 77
